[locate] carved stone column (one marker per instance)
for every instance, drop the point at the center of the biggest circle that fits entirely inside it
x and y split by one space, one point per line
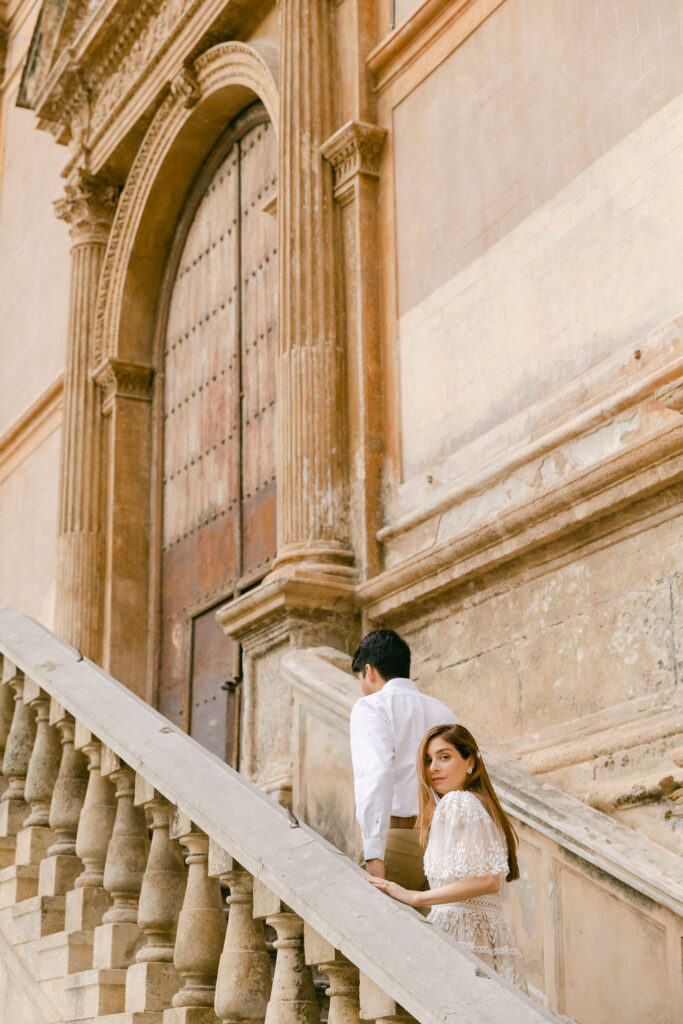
6 713
88 207
313 529
354 151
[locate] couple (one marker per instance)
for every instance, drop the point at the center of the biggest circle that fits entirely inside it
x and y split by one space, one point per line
470 843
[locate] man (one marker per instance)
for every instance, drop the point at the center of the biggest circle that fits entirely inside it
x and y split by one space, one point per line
387 725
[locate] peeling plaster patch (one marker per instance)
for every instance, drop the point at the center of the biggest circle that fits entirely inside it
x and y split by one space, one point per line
587 450
483 507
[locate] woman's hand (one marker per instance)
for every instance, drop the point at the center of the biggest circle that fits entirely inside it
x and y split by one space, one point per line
397 892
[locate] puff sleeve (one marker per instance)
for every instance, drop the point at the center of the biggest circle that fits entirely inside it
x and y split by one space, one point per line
464 841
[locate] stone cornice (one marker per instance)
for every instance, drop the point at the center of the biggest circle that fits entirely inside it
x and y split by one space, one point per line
36 424
354 149
120 379
88 207
422 26
120 45
584 498
260 617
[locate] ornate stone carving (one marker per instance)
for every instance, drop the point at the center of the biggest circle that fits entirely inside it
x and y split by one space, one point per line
120 379
88 207
185 85
354 149
223 65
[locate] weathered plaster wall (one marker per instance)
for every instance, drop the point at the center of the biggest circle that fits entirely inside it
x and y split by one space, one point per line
34 262
538 231
592 627
34 297
28 531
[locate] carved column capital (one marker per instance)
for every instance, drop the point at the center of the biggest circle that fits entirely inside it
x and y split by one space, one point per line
88 207
120 379
354 149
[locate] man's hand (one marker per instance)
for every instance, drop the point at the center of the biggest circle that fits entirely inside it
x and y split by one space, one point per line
375 867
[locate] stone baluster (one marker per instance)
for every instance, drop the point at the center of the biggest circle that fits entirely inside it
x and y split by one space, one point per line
61 867
102 989
152 981
88 207
88 901
118 937
13 807
292 999
243 983
201 931
18 881
313 529
6 712
343 975
7 842
35 837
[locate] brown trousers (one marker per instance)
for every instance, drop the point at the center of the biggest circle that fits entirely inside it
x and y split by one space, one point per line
403 859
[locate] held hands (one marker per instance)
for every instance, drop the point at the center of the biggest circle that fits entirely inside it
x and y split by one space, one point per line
397 892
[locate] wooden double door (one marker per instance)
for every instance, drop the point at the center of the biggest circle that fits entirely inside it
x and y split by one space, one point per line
217 492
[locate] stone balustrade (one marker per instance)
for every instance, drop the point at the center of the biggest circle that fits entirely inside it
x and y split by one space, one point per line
110 926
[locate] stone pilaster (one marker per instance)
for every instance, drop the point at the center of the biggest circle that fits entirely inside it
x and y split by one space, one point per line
88 208
354 152
313 529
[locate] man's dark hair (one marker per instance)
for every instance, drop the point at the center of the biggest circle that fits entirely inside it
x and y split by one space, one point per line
386 652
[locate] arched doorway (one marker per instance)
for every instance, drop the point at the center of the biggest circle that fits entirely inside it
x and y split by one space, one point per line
216 488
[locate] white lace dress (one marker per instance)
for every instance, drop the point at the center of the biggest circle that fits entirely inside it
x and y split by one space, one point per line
465 842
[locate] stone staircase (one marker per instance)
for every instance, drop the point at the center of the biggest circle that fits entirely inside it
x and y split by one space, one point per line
98 922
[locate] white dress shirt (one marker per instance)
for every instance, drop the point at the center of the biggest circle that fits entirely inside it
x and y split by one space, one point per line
386 730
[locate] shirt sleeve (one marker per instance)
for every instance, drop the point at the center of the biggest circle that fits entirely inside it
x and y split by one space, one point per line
472 843
372 754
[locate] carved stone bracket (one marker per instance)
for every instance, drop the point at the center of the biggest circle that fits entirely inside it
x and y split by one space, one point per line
88 207
185 84
354 149
119 379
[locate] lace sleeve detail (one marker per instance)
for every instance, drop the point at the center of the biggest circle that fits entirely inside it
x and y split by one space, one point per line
472 845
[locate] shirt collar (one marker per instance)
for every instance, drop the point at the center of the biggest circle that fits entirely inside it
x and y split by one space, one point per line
397 683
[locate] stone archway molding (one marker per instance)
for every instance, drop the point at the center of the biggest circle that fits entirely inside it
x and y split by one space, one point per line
228 74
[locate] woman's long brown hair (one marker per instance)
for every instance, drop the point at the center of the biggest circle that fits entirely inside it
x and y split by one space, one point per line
478 782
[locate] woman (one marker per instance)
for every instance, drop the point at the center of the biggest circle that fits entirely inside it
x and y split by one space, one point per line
471 849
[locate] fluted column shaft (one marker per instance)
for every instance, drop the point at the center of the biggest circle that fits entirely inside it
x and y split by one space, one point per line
88 207
311 463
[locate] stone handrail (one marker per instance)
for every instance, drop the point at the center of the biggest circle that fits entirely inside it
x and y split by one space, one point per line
134 930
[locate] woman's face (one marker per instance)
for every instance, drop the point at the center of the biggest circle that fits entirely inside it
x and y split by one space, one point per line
446 767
